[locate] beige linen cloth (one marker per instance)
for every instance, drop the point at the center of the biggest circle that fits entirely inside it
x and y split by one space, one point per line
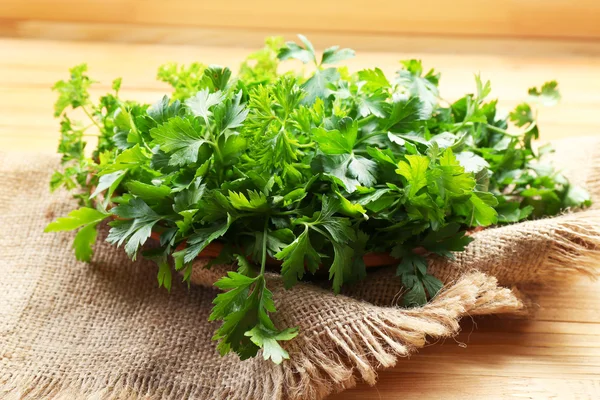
70 330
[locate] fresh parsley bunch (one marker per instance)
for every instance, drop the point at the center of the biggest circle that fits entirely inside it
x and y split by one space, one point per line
312 172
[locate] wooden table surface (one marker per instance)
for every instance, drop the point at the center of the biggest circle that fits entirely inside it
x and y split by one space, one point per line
554 355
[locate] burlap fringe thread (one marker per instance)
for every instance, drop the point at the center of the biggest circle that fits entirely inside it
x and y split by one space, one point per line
376 341
540 251
576 242
316 370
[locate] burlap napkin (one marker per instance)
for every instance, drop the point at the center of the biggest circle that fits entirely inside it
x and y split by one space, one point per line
70 330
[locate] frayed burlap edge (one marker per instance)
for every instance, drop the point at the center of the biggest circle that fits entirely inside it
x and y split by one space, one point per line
319 364
576 242
132 387
333 360
540 251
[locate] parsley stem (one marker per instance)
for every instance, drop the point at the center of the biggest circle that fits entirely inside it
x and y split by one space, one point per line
490 127
291 212
366 120
91 118
499 130
458 127
315 228
300 165
145 145
367 137
218 157
263 262
217 150
360 151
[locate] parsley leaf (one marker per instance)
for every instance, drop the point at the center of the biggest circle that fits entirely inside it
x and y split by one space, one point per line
421 86
548 94
334 55
164 109
296 257
200 239
337 141
305 54
349 170
420 286
316 85
73 92
201 103
374 79
85 218
136 227
180 138
415 172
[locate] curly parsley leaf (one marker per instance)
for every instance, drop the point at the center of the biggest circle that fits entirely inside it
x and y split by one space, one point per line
74 92
185 80
548 94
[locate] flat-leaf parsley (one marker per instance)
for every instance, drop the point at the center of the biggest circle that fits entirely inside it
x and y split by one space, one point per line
313 171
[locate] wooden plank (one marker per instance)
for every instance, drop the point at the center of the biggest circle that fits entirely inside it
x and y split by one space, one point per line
254 38
414 386
509 18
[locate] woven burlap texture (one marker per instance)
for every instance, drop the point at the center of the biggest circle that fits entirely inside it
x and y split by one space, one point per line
70 330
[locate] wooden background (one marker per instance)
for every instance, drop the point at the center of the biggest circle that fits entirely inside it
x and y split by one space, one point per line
516 44
515 18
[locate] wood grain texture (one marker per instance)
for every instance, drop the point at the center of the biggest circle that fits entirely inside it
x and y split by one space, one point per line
240 37
506 18
554 355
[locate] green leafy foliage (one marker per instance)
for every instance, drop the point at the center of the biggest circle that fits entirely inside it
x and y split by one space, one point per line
261 66
74 92
180 139
548 94
185 80
85 218
313 171
134 227
247 327
419 285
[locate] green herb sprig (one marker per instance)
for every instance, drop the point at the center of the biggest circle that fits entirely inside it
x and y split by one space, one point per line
314 172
